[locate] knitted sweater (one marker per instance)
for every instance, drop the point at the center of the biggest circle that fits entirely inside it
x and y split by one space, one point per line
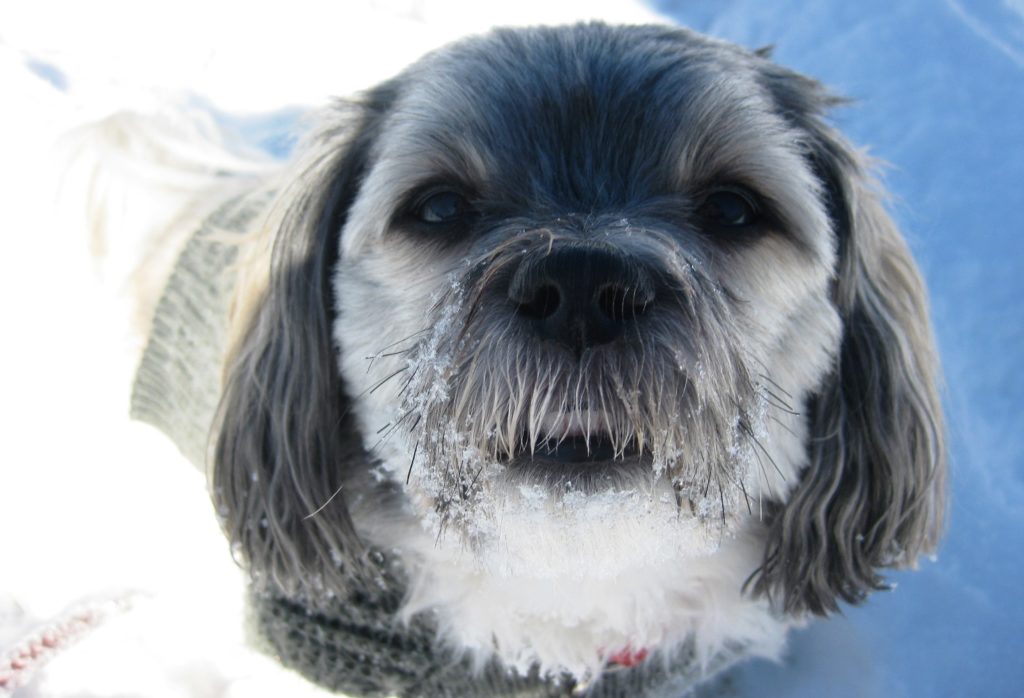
354 643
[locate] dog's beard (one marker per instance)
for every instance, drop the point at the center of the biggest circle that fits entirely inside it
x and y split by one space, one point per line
514 443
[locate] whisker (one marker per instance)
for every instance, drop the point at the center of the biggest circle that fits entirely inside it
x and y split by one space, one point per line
409 379
781 424
324 505
746 497
476 477
721 493
381 352
780 403
389 353
753 437
381 382
391 428
778 387
415 450
764 477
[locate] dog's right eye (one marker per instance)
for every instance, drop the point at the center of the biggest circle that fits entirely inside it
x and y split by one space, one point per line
730 207
442 207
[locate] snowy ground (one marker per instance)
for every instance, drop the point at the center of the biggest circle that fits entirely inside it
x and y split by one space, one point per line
91 505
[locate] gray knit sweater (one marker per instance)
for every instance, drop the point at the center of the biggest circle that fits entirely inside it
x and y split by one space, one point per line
353 644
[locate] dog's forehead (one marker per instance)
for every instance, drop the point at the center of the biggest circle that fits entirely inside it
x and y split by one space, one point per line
581 112
586 119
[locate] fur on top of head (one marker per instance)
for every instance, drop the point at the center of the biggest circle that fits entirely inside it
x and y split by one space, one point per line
605 331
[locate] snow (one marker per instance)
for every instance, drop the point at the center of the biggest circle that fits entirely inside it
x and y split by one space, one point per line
93 506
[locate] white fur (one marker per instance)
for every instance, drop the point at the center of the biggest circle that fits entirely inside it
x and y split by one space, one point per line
596 583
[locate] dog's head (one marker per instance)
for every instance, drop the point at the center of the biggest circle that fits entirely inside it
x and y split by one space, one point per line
551 285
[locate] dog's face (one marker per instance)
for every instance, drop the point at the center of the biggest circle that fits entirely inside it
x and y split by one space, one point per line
590 299
602 270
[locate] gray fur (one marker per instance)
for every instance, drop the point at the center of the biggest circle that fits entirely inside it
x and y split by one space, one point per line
591 135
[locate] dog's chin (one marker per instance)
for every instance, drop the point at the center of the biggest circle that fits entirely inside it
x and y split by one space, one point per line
535 531
568 509
555 577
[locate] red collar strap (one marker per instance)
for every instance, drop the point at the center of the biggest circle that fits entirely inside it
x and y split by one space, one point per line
628 657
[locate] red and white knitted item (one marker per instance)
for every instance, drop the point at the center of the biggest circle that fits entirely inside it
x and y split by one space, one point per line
31 651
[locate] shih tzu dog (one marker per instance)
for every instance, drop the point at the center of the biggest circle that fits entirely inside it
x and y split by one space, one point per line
570 360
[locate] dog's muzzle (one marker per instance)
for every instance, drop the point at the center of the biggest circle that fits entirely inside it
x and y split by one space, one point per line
577 297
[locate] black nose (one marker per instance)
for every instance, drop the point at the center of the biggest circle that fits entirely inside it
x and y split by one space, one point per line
581 296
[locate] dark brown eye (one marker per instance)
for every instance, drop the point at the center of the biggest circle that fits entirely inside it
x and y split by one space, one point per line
729 208
442 207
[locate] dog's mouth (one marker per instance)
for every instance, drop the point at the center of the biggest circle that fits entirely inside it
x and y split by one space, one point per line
592 448
575 444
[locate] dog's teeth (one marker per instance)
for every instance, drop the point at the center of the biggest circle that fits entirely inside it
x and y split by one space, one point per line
572 424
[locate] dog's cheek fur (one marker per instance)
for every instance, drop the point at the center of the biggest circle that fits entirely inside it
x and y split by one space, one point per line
781 297
386 294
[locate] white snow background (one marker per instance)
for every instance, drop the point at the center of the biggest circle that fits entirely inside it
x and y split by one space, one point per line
92 505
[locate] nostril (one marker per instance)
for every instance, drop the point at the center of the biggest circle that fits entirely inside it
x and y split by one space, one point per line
580 296
544 303
621 303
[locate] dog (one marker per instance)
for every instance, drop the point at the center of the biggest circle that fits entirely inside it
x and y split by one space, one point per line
570 359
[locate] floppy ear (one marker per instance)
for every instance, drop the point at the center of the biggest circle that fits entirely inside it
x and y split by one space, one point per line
872 495
284 442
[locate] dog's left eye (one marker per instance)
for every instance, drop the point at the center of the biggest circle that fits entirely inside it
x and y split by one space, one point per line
442 207
729 208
